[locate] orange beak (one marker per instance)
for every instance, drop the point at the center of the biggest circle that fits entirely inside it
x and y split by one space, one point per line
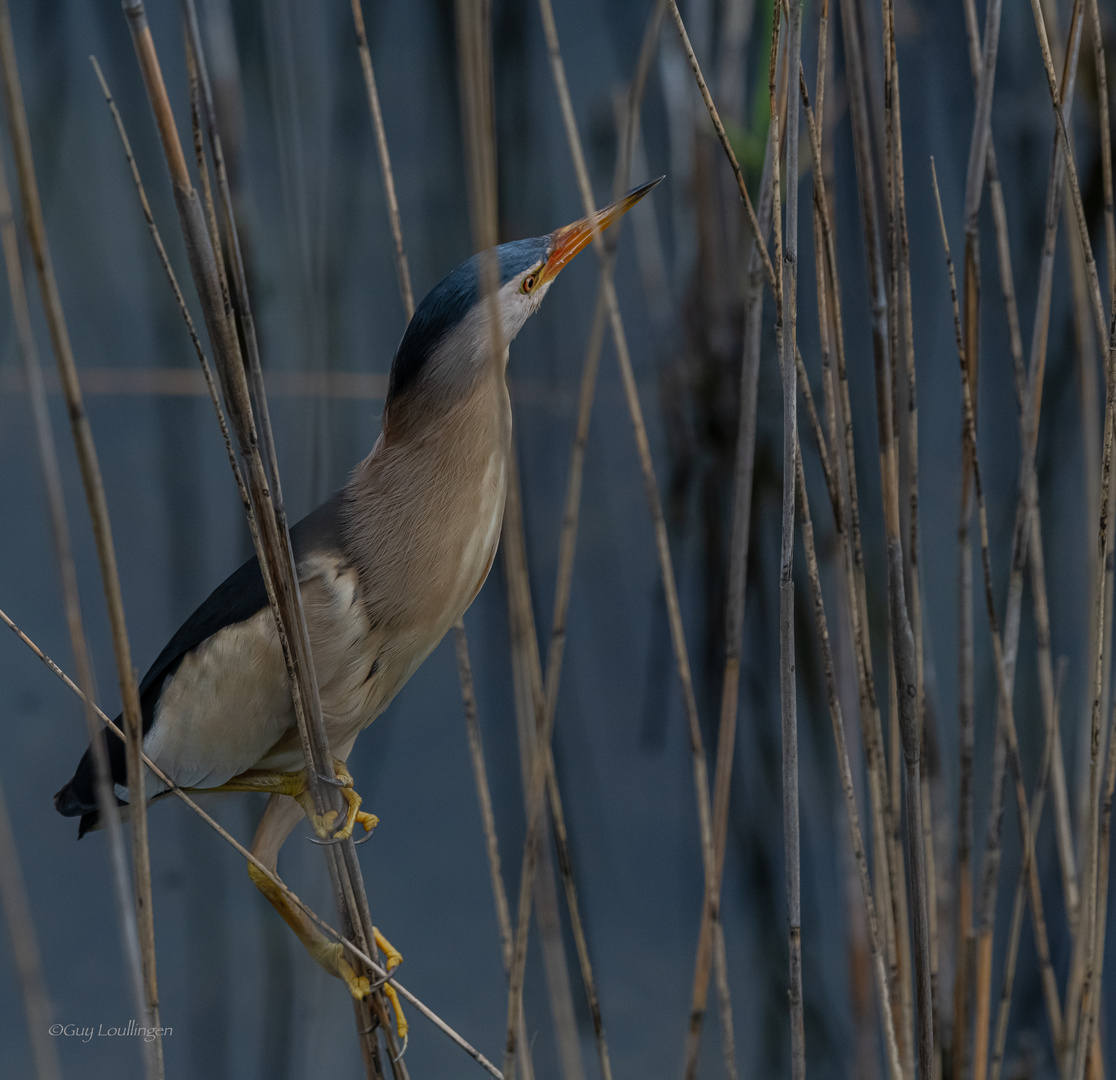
566 242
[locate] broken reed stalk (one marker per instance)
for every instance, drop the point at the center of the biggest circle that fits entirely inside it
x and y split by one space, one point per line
16 907
354 950
270 538
1006 717
737 575
102 529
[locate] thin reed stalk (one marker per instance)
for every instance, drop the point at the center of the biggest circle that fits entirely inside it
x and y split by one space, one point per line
402 270
16 906
181 795
902 639
1017 906
461 639
102 529
678 641
60 535
848 788
256 444
1091 839
734 610
1006 717
787 682
847 522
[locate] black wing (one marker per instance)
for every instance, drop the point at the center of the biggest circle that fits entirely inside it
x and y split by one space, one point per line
237 598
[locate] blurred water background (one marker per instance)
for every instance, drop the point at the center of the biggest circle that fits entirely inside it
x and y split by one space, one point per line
240 994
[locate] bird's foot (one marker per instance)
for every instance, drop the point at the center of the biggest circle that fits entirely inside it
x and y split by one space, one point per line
323 824
331 956
392 959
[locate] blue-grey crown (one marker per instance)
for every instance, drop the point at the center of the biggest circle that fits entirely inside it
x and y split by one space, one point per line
449 302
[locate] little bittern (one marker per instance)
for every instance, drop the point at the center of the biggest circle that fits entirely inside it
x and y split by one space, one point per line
386 567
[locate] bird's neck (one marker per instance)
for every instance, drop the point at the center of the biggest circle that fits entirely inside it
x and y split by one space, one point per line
424 508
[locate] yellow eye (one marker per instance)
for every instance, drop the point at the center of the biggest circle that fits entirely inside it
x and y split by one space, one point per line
529 282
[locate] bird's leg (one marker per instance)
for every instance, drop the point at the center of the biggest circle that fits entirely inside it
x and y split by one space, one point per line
278 820
330 954
295 785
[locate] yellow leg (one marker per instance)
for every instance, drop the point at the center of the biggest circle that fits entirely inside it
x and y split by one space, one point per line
330 954
294 784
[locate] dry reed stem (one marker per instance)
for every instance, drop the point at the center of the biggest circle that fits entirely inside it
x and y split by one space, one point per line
102 529
25 952
568 535
344 869
1006 718
1017 907
180 300
60 535
474 50
1029 391
1110 246
734 617
701 781
461 640
173 789
401 268
1090 840
912 566
848 787
568 538
528 695
902 640
788 310
271 538
1105 149
906 642
538 771
847 522
729 152
473 30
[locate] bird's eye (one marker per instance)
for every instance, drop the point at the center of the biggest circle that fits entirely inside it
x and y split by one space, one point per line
529 282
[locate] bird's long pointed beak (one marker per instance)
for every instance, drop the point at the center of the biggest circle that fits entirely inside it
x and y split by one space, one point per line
566 242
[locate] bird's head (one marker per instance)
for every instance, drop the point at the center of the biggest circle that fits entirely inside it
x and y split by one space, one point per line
447 344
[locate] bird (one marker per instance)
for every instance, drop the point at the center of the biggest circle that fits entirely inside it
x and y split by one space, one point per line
386 566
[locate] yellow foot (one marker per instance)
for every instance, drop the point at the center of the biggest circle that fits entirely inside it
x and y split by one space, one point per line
400 1020
332 958
392 959
323 824
392 956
